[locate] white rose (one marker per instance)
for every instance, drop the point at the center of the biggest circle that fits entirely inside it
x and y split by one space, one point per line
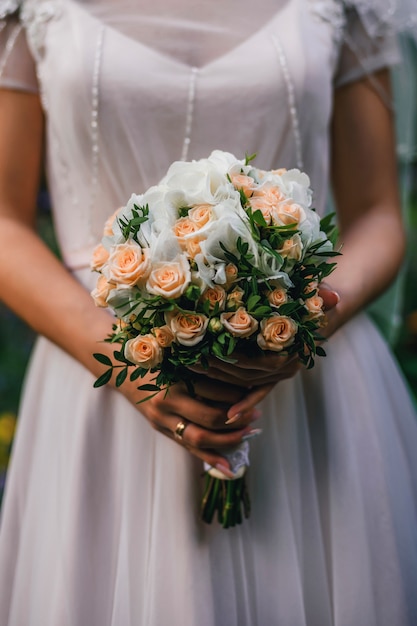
296 185
199 181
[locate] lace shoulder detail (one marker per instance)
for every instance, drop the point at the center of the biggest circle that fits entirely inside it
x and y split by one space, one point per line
331 12
35 15
8 7
380 17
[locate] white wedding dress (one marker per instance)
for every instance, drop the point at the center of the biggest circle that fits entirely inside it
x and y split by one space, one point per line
100 525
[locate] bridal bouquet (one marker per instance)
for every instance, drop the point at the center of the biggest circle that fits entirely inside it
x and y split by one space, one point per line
220 258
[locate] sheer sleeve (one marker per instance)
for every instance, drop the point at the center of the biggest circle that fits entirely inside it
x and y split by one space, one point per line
363 53
17 66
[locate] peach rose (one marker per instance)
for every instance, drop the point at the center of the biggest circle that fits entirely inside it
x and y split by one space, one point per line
129 264
169 279
277 297
292 248
183 228
270 194
244 183
280 171
287 213
231 272
312 286
108 226
163 335
239 323
235 298
192 247
314 306
277 332
144 351
201 214
102 291
258 204
188 328
214 295
99 258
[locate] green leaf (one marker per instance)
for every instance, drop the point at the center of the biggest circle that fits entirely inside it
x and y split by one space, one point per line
103 358
121 377
104 378
249 158
137 373
259 218
149 387
320 351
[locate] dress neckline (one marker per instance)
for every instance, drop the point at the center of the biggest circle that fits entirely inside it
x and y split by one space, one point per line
251 40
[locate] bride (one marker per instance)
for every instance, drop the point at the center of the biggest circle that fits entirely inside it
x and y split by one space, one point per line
100 522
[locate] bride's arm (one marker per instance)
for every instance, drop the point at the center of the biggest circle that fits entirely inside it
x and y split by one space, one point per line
364 175
39 289
365 190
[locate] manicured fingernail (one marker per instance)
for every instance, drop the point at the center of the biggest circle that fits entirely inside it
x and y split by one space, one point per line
226 471
337 297
234 418
254 432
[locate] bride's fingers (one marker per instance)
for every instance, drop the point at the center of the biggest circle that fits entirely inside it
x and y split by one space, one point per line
329 296
208 415
254 377
254 397
218 391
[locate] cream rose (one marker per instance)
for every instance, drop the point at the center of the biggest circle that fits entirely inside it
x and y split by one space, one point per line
277 297
314 306
128 264
102 291
144 351
258 204
201 214
193 247
187 328
235 298
183 228
239 323
288 213
277 332
231 273
99 257
244 183
108 226
169 279
215 295
292 248
163 335
312 286
271 194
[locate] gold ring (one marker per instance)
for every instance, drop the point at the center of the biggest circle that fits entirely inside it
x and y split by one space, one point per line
179 430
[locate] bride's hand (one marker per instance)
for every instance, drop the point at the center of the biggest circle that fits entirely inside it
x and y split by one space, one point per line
261 373
197 423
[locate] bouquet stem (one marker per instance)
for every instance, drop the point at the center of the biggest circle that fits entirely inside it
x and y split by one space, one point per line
230 498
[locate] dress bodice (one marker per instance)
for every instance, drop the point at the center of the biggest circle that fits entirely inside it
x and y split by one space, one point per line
127 92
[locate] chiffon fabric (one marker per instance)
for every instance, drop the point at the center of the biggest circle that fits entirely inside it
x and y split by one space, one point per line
100 524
